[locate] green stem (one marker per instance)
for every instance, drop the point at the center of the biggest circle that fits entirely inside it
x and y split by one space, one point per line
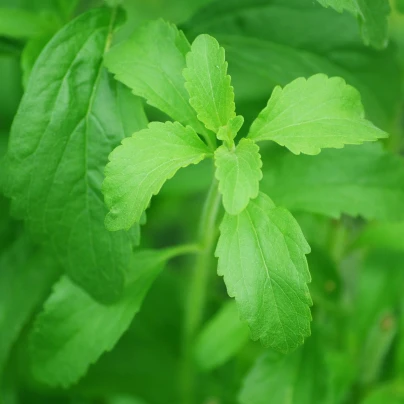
183 249
196 297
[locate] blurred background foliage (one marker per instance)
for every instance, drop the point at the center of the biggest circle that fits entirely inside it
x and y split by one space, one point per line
356 353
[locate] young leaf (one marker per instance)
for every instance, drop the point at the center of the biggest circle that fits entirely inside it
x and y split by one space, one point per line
357 180
222 337
26 277
73 330
262 258
309 115
228 133
239 173
372 15
298 378
150 63
139 167
54 166
208 84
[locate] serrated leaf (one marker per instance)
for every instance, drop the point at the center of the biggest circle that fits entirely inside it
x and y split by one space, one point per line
139 167
298 378
26 276
54 166
357 180
150 63
208 83
262 259
73 330
372 15
239 174
254 35
309 115
221 338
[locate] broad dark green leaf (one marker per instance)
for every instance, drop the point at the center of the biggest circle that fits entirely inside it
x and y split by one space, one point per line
303 38
150 63
298 378
26 276
261 255
372 15
239 174
73 330
357 180
54 167
221 338
309 115
208 84
139 167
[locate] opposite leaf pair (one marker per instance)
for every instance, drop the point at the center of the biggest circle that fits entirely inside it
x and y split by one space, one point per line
261 249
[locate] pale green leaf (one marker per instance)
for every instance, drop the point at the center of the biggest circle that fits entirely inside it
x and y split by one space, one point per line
262 258
150 63
309 115
54 166
372 15
357 180
221 338
26 276
254 35
73 330
239 173
298 378
208 84
139 167
228 133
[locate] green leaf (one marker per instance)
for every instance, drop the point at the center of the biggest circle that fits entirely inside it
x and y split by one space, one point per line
357 180
372 15
26 276
208 83
221 338
254 35
228 133
298 378
239 173
139 167
73 330
262 258
150 63
309 115
54 166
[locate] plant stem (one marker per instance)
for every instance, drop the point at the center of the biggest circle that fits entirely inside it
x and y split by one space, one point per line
196 297
183 249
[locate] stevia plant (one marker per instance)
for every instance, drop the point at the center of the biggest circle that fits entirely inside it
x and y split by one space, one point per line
108 288
261 250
